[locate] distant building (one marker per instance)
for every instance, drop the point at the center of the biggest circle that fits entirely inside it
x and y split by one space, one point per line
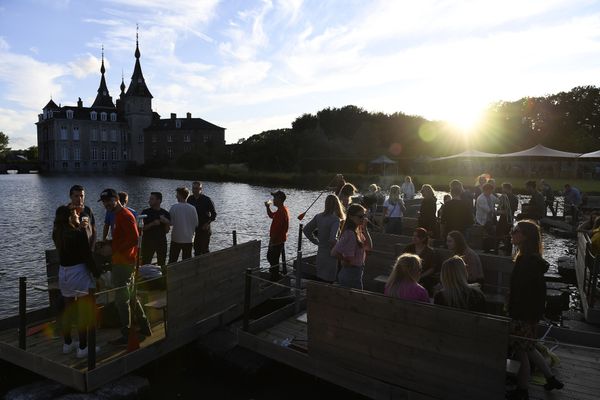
109 137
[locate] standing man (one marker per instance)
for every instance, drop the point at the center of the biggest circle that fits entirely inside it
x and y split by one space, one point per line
536 208
124 255
184 220
156 226
86 216
205 209
109 217
548 196
278 232
572 201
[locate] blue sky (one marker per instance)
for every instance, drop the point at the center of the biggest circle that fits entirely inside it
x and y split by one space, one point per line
251 65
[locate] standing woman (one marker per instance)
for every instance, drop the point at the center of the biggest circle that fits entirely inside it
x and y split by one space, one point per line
526 305
408 188
346 192
74 277
457 244
327 226
393 209
352 246
427 212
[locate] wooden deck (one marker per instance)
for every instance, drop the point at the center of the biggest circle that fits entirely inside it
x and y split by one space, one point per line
288 342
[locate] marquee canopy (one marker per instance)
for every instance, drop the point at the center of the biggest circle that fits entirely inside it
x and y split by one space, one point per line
535 151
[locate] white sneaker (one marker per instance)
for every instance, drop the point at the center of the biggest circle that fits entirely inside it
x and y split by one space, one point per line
82 353
67 348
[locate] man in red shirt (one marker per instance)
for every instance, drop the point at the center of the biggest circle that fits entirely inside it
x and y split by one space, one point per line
124 255
278 232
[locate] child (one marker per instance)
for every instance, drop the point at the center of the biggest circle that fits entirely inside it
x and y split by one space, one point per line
402 282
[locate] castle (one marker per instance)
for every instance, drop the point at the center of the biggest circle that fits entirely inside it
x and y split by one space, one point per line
109 137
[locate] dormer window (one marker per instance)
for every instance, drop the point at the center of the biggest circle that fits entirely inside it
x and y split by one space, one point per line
113 117
93 115
177 124
102 116
50 114
69 114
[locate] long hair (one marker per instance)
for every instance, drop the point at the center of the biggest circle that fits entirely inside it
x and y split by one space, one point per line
422 234
394 194
334 207
353 209
62 224
460 243
454 280
347 190
532 243
406 269
427 191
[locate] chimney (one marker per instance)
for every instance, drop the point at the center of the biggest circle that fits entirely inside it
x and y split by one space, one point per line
189 115
79 103
173 115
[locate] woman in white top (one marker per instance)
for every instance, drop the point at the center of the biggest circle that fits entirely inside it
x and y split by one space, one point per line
408 188
393 208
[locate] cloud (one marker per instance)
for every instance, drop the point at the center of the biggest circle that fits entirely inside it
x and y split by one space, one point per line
86 65
19 126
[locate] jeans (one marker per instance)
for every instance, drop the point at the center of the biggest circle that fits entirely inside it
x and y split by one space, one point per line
176 248
351 277
151 246
201 241
121 276
273 255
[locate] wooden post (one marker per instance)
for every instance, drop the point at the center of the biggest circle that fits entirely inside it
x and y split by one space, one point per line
247 299
23 312
234 233
91 331
300 237
283 261
298 280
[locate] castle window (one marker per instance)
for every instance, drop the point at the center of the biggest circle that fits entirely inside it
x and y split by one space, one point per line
170 138
94 153
206 138
113 117
50 114
94 134
65 153
170 153
154 138
69 114
103 154
154 152
187 148
113 135
178 124
103 136
93 116
75 133
124 154
76 154
141 138
187 138
113 154
63 133
103 116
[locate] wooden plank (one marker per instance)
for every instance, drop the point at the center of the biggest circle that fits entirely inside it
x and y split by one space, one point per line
271 319
430 349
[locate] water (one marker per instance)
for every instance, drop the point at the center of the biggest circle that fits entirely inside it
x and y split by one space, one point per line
28 204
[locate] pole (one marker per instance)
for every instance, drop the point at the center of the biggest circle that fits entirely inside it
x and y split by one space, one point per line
247 299
23 312
91 331
300 237
234 233
298 280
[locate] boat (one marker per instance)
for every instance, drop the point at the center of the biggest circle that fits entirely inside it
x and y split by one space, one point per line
201 294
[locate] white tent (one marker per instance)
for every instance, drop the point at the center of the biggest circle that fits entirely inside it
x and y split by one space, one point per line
593 154
468 154
541 151
383 160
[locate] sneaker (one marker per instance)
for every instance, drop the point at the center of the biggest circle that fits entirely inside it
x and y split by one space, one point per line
67 348
553 383
82 353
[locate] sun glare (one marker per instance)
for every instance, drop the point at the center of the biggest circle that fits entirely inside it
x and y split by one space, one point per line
466 121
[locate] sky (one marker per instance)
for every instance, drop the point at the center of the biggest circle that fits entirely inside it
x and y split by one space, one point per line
254 65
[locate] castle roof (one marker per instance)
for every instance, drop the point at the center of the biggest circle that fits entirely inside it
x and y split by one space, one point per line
138 87
103 98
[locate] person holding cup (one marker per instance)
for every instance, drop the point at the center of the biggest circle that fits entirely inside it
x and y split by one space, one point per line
352 246
86 216
278 231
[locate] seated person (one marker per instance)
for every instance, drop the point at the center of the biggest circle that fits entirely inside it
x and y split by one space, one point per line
457 292
402 282
458 245
431 270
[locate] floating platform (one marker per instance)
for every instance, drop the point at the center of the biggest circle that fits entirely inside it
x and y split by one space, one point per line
202 293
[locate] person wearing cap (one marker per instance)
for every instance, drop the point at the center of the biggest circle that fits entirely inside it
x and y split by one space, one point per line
278 231
184 220
109 217
206 214
124 254
85 214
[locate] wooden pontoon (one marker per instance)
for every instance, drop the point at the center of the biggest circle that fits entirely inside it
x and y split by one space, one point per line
202 294
587 268
386 348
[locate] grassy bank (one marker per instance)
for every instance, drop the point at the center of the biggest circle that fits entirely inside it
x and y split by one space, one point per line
320 180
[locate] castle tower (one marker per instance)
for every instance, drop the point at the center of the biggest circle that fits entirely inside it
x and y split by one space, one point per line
137 103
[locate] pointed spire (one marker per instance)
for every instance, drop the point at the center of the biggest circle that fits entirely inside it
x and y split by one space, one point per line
103 98
138 87
122 83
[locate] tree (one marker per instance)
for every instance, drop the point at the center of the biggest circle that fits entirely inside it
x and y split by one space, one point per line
3 143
